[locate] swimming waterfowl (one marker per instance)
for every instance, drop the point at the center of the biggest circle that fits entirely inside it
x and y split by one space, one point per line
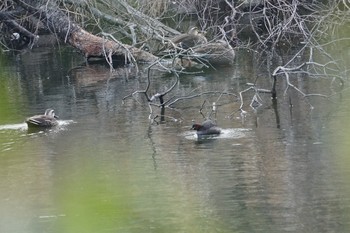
190 39
48 119
208 127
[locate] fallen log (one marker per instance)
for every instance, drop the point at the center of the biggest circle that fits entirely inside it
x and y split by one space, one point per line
88 44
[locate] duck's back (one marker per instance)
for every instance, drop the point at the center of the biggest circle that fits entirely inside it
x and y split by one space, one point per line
208 124
209 128
191 39
41 121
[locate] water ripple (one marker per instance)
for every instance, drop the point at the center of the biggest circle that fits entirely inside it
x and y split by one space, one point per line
23 126
225 134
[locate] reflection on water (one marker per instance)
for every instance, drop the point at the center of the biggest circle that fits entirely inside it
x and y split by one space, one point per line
107 169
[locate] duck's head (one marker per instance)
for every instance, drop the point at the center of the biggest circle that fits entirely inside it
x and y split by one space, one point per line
193 31
196 126
50 112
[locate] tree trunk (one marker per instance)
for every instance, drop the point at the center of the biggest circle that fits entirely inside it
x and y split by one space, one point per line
88 44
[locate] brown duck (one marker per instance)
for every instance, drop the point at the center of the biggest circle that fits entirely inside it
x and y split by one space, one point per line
214 53
48 119
208 127
190 39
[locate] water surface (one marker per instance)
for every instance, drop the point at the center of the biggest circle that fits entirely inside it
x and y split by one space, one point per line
109 169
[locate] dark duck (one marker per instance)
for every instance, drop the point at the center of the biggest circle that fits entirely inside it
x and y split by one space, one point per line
208 128
47 120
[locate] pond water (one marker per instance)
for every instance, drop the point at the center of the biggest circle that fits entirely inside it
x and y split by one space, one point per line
283 167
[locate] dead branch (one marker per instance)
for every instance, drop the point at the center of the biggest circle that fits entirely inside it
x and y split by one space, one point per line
126 16
90 45
172 102
8 20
